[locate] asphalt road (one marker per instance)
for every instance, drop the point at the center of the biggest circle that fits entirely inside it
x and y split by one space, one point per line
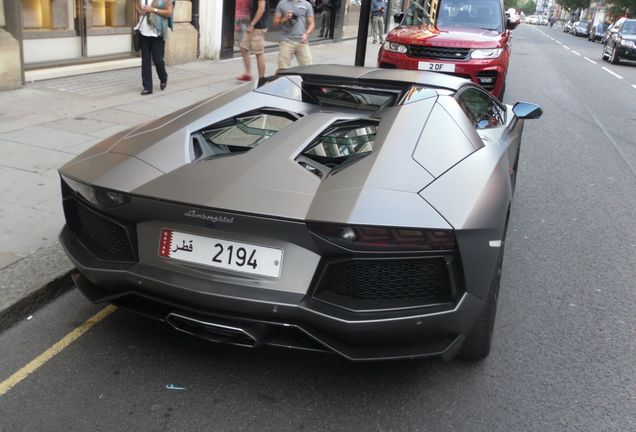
564 356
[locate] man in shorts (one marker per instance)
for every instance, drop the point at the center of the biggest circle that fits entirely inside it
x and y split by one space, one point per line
296 21
254 39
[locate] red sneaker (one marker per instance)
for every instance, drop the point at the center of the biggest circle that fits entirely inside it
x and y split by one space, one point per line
244 77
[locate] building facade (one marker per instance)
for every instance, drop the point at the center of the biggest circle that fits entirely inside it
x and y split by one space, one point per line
64 34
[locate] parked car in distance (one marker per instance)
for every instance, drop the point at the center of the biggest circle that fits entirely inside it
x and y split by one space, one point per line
597 31
532 19
542 21
469 38
621 41
579 28
607 32
271 214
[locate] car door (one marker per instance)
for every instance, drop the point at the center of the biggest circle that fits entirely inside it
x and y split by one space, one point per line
613 35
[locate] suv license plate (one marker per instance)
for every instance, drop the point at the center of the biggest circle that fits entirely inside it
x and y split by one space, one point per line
436 67
225 254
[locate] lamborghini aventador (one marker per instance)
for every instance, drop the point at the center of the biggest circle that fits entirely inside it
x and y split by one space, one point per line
333 208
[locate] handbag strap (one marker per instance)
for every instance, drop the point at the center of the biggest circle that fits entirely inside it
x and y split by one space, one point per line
138 27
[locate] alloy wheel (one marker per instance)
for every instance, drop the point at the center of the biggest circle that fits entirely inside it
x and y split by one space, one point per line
614 59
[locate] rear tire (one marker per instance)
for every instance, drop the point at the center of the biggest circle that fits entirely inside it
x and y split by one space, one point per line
477 344
603 55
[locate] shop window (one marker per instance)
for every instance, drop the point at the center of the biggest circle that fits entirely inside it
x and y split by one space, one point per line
37 14
108 13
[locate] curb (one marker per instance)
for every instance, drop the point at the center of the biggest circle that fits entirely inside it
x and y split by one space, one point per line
35 300
32 282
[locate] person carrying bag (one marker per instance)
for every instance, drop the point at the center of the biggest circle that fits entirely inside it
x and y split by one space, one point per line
155 19
137 35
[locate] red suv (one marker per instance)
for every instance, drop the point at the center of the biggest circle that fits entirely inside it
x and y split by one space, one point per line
469 38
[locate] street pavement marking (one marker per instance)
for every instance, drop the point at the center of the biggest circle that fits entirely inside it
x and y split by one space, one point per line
615 74
54 350
588 59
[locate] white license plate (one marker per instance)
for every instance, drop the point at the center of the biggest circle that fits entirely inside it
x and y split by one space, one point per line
225 254
436 67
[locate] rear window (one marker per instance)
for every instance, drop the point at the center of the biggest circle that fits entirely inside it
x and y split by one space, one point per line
360 98
369 96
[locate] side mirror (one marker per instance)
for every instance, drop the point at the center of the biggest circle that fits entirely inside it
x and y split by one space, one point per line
526 110
398 17
510 25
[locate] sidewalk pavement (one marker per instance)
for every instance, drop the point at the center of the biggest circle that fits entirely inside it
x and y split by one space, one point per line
46 123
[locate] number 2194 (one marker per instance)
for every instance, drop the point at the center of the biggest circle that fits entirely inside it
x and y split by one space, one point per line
239 256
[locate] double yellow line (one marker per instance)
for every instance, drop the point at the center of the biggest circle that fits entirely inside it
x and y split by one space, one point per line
54 350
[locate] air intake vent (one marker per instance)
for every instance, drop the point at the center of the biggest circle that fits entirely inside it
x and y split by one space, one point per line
338 146
487 79
105 238
239 134
363 284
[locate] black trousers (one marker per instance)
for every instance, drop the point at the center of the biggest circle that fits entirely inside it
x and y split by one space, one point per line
152 47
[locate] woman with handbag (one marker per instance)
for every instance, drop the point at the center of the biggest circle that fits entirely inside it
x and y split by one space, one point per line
155 19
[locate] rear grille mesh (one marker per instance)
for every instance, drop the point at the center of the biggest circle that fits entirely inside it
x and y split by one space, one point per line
445 53
378 283
106 239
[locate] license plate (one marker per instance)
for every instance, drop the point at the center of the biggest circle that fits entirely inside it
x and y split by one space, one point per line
436 67
225 254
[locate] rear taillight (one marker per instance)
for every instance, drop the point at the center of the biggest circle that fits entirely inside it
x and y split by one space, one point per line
371 238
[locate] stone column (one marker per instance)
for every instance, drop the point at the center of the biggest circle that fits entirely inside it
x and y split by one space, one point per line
182 42
10 65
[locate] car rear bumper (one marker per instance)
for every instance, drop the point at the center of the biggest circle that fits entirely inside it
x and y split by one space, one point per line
224 312
490 74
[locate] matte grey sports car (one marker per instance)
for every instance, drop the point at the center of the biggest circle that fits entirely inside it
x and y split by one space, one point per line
354 210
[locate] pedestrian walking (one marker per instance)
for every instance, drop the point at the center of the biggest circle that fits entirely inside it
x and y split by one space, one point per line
155 19
377 20
296 21
254 39
325 19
